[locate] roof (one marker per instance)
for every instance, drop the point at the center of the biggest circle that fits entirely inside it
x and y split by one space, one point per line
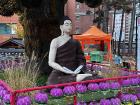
6 37
10 50
17 41
93 33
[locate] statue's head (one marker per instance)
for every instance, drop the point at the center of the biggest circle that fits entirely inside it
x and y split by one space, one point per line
66 24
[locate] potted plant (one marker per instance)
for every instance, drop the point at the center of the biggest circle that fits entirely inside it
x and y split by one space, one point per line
6 99
82 93
94 91
24 100
115 86
69 92
57 97
115 101
105 89
41 98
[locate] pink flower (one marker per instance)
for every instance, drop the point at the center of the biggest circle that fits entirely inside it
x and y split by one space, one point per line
41 98
81 88
104 86
25 100
69 90
93 86
6 98
115 85
56 92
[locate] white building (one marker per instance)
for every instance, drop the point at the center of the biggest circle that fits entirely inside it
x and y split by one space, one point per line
118 18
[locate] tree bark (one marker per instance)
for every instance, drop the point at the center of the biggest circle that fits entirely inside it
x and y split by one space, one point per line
41 25
105 19
120 37
113 42
132 28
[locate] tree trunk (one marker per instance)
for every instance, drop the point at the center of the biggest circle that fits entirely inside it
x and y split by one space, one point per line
113 42
114 18
105 19
132 28
41 25
120 37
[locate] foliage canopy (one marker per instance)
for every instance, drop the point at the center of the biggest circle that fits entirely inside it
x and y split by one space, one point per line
9 7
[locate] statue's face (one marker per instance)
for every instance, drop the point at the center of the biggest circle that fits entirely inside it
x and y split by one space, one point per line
67 26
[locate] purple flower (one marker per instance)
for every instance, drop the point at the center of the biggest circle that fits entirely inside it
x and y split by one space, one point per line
124 73
41 98
93 103
99 67
134 81
138 95
2 93
56 92
115 85
105 102
26 100
115 101
81 103
126 82
133 98
69 90
88 66
6 98
93 86
1 87
81 88
104 86
126 98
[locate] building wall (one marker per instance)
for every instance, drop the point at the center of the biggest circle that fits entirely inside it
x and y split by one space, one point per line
127 24
126 30
12 19
77 12
8 26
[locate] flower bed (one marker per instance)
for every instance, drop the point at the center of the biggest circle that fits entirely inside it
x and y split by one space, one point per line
109 71
91 92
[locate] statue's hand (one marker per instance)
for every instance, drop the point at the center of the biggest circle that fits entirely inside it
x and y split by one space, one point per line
78 70
68 71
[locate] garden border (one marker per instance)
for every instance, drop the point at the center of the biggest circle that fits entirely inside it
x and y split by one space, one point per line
15 92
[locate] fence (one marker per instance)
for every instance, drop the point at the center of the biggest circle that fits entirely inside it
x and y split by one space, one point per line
14 93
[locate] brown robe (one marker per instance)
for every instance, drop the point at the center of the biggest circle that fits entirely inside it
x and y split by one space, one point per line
69 55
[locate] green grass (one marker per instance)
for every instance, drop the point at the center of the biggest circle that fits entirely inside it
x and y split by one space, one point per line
42 79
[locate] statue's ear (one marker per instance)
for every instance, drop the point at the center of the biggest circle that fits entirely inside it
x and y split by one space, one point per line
61 27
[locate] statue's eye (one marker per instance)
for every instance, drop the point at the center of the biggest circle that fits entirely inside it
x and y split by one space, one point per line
66 24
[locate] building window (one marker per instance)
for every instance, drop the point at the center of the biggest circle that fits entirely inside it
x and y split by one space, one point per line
78 18
7 28
77 5
77 31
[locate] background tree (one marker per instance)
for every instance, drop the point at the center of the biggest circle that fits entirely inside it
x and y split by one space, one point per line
126 8
132 28
40 20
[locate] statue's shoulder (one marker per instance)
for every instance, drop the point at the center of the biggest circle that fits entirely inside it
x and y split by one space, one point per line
54 41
